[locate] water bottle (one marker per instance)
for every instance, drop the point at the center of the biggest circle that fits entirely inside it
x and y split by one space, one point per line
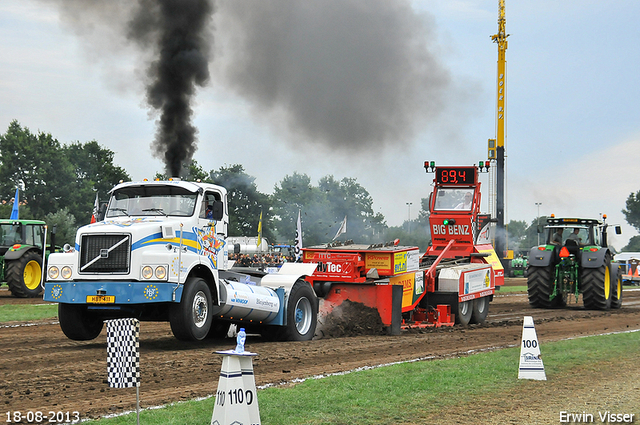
241 338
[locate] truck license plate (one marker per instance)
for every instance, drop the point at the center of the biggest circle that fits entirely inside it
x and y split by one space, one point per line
101 299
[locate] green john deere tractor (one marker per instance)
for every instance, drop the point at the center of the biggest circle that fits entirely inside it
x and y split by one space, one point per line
574 260
21 252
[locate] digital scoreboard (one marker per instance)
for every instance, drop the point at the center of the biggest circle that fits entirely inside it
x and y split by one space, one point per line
456 175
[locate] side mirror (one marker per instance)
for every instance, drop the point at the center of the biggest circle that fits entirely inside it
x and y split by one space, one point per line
618 230
102 211
218 210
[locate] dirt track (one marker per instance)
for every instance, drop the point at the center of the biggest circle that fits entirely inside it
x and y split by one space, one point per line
43 370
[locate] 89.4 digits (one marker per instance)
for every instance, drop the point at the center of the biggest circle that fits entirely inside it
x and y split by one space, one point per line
455 175
37 417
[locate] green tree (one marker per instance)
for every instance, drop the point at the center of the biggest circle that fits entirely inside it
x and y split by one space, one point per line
347 198
37 164
52 176
195 172
65 226
531 236
95 173
245 202
323 209
517 232
633 245
632 212
295 193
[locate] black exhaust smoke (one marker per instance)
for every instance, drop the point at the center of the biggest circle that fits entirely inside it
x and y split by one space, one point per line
178 31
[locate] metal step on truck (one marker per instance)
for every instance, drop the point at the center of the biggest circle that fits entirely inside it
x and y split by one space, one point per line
160 254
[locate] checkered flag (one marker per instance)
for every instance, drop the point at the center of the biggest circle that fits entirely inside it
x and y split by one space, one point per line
123 353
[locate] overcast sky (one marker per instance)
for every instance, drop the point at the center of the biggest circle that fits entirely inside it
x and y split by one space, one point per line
368 89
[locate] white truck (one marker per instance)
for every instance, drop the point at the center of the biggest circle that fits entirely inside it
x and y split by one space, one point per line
160 254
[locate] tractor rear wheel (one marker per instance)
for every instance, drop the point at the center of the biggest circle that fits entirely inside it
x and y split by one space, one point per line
24 275
540 287
77 323
616 286
596 286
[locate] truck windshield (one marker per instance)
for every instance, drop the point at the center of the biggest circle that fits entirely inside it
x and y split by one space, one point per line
152 201
453 199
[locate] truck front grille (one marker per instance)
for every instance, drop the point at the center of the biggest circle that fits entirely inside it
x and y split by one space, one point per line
105 253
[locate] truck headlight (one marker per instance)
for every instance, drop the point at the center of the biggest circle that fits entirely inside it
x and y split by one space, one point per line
66 272
161 272
53 272
147 272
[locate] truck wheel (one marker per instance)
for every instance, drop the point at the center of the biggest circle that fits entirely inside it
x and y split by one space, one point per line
465 310
191 318
596 286
480 310
77 323
540 286
24 275
302 313
616 286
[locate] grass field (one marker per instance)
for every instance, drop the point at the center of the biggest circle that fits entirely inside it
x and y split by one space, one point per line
415 393
25 313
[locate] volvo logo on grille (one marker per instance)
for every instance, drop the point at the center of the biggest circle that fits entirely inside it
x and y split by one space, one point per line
104 253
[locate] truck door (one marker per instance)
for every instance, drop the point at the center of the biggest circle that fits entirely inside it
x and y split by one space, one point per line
213 221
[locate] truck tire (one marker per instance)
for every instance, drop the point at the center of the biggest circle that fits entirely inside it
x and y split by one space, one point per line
302 313
191 318
464 313
24 275
596 286
540 287
480 310
77 323
616 286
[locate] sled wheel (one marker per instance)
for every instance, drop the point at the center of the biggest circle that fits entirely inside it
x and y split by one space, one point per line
24 275
480 310
77 323
191 318
465 311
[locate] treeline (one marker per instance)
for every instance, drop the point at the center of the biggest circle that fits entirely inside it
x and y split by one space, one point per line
59 182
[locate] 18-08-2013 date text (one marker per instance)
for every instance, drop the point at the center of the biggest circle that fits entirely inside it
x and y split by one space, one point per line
41 417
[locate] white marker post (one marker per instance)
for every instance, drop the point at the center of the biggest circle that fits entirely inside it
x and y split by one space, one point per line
236 398
531 366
